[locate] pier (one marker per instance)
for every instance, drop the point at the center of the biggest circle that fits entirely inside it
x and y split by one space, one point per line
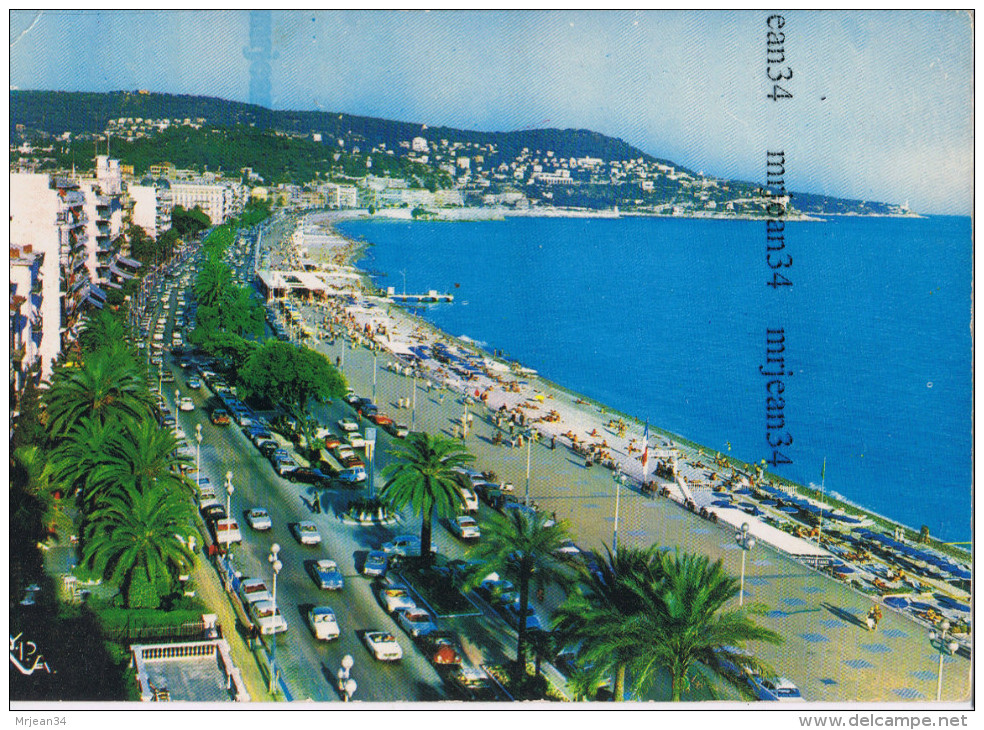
429 297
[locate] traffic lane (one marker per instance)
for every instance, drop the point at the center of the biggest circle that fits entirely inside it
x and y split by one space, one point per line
357 607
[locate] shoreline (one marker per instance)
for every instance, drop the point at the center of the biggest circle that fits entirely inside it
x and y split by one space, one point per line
355 249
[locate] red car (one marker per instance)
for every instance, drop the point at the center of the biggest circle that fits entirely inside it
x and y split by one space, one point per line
331 441
220 417
381 419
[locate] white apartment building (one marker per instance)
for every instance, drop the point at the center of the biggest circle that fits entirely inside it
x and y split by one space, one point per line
151 206
103 194
47 218
341 196
25 312
217 201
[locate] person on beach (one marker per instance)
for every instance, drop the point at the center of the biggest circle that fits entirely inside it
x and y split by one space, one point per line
553 442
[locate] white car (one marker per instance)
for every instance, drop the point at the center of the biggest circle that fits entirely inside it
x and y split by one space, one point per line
404 545
186 404
259 519
466 528
416 622
779 689
227 531
323 623
355 439
252 590
306 533
383 645
470 498
395 597
348 425
268 618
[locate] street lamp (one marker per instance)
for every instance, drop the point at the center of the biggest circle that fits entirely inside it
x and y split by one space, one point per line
619 479
229 490
374 375
413 401
529 451
746 542
198 456
276 565
177 397
370 439
945 644
346 685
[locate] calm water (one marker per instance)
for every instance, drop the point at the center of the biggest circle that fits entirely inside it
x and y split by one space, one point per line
666 320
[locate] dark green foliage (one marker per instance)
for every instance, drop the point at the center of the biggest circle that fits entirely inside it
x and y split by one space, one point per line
187 223
281 372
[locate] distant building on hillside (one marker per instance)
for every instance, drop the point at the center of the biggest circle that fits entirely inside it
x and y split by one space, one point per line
419 144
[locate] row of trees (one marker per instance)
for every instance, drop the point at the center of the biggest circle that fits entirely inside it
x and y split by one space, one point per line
633 614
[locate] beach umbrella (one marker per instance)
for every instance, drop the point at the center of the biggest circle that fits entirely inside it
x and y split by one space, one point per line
789 509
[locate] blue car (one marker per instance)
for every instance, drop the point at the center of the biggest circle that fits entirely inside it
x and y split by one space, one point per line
326 575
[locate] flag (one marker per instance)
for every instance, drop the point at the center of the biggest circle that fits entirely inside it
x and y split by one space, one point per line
823 469
645 451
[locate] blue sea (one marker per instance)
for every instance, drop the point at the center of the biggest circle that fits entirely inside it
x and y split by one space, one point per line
666 319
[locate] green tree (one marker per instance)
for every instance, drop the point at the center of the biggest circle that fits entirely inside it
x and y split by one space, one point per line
101 331
107 386
213 283
282 372
82 450
241 313
132 540
423 478
523 546
189 222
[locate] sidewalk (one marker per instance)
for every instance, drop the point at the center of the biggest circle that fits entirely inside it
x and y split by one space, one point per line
212 593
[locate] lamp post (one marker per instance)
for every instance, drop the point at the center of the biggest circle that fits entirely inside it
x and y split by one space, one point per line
374 374
370 439
746 542
413 401
276 565
346 685
529 452
177 397
942 639
229 490
198 456
619 479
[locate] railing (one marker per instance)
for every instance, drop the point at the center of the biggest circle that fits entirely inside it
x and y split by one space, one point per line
197 631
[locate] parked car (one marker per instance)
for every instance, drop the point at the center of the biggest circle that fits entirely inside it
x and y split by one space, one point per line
306 533
400 430
466 528
381 419
348 425
511 613
395 596
252 590
259 519
212 510
326 575
383 646
309 475
470 498
283 467
268 448
323 623
471 683
779 689
416 622
186 404
443 649
497 592
405 546
267 617
375 564
194 383
226 531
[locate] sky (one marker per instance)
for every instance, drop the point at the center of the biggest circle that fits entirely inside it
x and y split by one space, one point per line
881 107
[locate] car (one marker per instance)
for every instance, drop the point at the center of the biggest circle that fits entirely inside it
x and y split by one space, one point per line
381 419
306 533
226 531
778 689
471 683
194 383
416 622
511 613
352 399
497 592
348 425
404 546
326 575
367 408
259 435
443 649
400 430
167 377
309 475
284 467
344 451
470 499
375 564
212 510
268 448
220 417
569 549
355 440
353 462
330 439
259 519
395 596
466 528
383 646
186 404
267 617
323 623
252 590
278 454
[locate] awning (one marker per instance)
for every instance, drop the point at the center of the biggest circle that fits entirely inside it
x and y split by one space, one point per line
94 302
133 264
120 272
95 291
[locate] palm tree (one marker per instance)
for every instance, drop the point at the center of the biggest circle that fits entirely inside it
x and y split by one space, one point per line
108 386
80 452
213 283
522 545
139 458
691 633
101 330
33 472
132 540
424 478
611 591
